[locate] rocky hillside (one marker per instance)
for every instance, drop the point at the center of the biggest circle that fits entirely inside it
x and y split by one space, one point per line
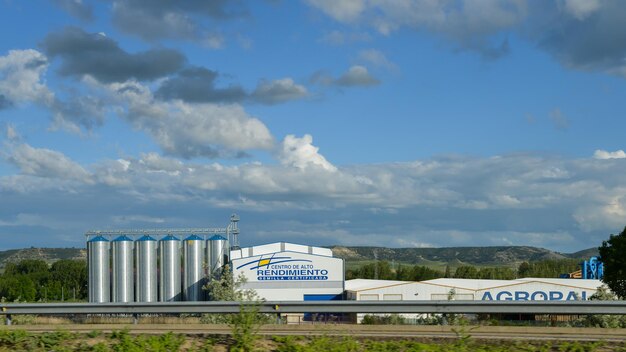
455 256
50 255
483 256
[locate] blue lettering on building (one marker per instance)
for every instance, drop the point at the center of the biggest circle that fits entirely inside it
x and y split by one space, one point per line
556 295
534 296
291 274
521 296
504 296
538 296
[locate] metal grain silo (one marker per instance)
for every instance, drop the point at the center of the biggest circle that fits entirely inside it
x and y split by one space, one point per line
146 255
169 277
217 253
193 268
122 273
99 274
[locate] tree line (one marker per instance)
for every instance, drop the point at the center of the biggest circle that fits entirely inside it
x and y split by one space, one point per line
33 280
383 270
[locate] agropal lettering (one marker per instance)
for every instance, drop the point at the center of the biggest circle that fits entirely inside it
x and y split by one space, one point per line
534 296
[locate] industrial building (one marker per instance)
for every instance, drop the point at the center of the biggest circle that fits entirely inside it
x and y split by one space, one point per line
290 272
535 289
174 264
149 269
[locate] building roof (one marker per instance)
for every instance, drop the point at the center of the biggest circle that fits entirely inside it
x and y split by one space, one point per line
368 284
279 247
470 284
578 283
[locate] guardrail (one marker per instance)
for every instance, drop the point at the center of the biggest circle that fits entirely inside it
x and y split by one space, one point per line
430 307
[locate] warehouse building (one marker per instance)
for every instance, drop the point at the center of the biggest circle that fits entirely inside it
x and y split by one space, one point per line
536 289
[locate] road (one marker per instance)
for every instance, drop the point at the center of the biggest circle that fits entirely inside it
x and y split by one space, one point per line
379 331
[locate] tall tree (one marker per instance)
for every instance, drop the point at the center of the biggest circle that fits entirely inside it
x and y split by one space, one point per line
612 255
466 272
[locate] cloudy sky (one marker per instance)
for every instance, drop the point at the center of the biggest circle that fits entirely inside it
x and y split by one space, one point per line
405 123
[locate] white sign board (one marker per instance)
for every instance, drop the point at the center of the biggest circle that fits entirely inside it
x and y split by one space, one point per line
289 266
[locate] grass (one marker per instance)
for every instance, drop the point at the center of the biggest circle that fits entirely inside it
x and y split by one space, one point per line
61 341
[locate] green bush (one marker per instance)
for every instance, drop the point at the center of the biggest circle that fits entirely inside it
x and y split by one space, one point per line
386 319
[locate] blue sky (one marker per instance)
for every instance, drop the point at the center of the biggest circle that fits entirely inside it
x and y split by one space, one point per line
356 122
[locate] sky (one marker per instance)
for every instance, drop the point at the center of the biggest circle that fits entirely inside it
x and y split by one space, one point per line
405 123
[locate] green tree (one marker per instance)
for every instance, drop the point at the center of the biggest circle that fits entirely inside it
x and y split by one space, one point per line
602 321
245 325
20 281
466 272
523 270
548 268
422 273
32 280
612 254
379 269
497 273
72 274
403 273
26 267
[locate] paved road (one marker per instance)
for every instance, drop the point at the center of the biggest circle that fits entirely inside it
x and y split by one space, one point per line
387 331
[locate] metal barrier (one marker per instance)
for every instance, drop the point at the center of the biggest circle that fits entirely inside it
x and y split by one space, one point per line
278 307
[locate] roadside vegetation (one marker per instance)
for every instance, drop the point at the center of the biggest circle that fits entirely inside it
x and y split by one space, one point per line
17 340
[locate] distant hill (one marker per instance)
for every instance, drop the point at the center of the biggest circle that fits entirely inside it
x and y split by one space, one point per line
585 253
50 255
455 256
433 257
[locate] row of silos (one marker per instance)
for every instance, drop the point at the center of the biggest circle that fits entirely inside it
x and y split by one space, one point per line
147 270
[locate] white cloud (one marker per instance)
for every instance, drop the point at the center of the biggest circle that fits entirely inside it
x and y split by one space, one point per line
559 120
301 153
21 78
484 26
11 133
477 201
603 154
191 130
581 9
22 82
376 58
344 11
608 211
46 163
336 37
213 40
469 23
125 219
356 75
279 91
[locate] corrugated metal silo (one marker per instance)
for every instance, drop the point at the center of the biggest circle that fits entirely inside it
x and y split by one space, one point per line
122 273
170 288
99 274
146 255
194 268
217 253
